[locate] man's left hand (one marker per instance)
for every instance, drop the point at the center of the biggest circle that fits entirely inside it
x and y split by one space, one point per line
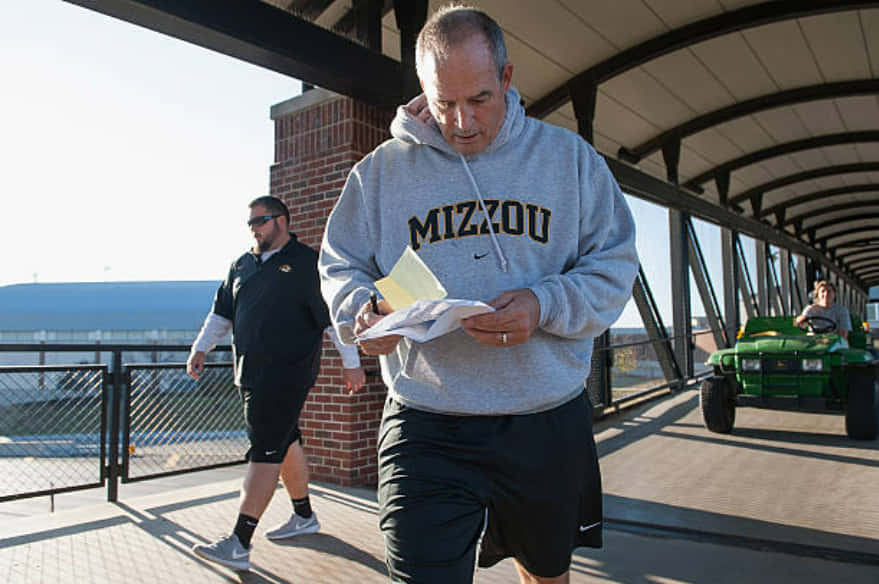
515 318
355 378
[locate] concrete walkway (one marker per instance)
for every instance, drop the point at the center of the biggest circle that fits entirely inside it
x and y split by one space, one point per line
786 498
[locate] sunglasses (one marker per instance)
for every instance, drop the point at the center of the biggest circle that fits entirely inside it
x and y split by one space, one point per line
260 220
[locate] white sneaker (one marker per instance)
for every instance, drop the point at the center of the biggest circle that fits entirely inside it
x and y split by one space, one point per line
228 551
295 526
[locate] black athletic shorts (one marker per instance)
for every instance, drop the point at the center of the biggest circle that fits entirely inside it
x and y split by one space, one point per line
272 405
534 478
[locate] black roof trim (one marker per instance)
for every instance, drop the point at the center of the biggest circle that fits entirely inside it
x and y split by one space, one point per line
268 36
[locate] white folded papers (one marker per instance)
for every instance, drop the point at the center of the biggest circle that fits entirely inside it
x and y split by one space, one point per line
426 319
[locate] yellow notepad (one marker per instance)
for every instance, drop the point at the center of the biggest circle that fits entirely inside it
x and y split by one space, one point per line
410 280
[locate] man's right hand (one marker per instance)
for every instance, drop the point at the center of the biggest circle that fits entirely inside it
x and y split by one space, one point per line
366 318
195 364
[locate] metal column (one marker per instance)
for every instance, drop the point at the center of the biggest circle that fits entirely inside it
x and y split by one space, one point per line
729 257
762 253
802 283
784 267
680 285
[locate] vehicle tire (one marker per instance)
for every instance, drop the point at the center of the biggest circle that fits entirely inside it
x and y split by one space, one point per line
862 413
717 399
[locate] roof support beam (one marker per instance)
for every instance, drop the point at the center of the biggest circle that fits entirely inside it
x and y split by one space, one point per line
780 150
691 34
583 96
756 202
650 188
803 176
857 246
309 9
872 271
869 229
671 154
860 262
871 277
748 107
857 253
368 18
819 196
817 213
721 181
267 36
362 20
861 217
779 216
411 16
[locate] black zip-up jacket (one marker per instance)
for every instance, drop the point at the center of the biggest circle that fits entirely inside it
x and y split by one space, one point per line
278 314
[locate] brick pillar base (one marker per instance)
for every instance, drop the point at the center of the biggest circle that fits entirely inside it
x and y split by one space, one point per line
319 136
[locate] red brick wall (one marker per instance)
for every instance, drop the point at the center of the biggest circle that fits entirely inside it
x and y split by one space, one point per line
315 147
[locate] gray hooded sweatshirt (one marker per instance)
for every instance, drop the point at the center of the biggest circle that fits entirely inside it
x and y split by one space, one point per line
559 225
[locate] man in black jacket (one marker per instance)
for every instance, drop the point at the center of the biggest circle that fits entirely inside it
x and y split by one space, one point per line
271 301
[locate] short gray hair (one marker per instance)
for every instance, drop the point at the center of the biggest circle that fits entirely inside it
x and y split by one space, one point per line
453 24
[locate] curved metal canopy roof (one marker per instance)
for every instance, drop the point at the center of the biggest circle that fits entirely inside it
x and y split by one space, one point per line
767 111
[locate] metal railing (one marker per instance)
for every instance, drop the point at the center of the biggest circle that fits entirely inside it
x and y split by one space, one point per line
621 372
175 424
53 429
67 427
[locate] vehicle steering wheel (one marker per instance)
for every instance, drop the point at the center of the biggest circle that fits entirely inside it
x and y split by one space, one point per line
820 324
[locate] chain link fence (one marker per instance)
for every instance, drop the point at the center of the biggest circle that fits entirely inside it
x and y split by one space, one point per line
177 424
52 429
71 427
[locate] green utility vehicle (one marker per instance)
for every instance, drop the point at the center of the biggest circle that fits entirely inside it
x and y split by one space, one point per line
777 364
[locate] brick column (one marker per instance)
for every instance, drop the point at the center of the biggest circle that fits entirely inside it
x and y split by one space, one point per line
319 136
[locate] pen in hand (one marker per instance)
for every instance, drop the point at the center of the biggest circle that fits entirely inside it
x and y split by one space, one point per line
373 302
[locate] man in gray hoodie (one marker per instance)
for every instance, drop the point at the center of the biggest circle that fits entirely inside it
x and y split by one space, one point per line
486 437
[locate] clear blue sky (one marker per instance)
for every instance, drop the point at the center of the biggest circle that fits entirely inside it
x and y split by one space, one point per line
130 155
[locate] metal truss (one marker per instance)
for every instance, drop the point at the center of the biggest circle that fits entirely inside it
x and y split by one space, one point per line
746 285
655 328
699 269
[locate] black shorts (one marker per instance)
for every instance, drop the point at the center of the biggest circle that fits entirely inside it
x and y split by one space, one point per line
534 478
271 411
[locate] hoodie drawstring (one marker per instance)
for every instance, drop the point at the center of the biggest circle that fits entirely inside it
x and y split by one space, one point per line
497 246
